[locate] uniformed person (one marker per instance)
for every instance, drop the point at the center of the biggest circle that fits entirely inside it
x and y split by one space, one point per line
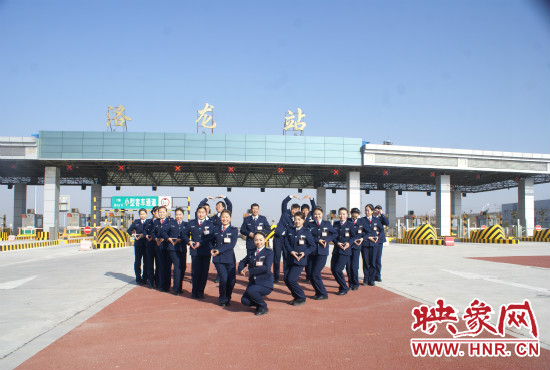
285 222
257 265
253 223
224 256
384 221
136 229
225 203
199 235
177 250
342 249
220 206
370 239
161 227
298 246
353 267
323 234
309 219
151 252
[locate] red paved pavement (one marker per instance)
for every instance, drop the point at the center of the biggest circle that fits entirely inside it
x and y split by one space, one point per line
536 261
145 329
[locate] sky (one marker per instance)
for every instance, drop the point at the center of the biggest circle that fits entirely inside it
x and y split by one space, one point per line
455 74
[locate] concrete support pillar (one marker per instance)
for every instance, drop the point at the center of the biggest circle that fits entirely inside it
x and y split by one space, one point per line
321 200
19 205
353 190
443 205
391 207
51 200
526 205
456 203
95 208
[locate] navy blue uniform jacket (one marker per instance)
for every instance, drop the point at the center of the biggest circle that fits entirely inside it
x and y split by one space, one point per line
251 226
317 233
161 231
139 228
226 249
384 221
344 234
359 228
203 235
372 228
216 219
299 241
175 233
259 267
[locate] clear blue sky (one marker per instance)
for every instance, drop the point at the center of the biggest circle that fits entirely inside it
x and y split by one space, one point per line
461 74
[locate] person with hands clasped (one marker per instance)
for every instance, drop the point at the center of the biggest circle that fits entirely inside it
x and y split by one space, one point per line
298 245
136 229
342 249
370 241
353 267
177 250
323 234
257 266
161 227
152 266
225 239
199 235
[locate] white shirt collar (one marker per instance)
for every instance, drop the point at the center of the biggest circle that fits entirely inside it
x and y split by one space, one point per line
258 251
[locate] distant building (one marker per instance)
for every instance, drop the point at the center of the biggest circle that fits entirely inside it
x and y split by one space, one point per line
542 213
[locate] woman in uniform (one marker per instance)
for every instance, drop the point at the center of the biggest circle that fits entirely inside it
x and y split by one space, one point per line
370 241
257 265
323 233
199 235
342 249
353 267
224 256
136 230
298 245
177 250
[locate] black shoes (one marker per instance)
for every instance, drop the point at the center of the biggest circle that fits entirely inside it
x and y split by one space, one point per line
378 279
261 311
342 292
371 284
320 297
354 288
297 302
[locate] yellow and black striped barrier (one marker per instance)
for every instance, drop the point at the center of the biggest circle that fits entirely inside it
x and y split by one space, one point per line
492 234
109 237
270 235
538 236
424 234
13 247
3 236
42 235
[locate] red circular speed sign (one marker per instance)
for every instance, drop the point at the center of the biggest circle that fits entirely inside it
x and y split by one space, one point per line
87 229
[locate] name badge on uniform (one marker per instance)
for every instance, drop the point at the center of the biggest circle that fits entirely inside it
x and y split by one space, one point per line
301 242
259 228
259 263
375 228
346 234
360 231
324 233
206 231
227 240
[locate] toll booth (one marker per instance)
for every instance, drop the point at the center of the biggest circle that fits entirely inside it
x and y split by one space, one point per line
488 219
30 219
76 219
117 218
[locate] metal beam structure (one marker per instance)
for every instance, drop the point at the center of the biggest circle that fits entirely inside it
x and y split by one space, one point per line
381 167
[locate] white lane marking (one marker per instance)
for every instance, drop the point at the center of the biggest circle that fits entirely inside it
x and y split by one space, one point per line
16 283
493 279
